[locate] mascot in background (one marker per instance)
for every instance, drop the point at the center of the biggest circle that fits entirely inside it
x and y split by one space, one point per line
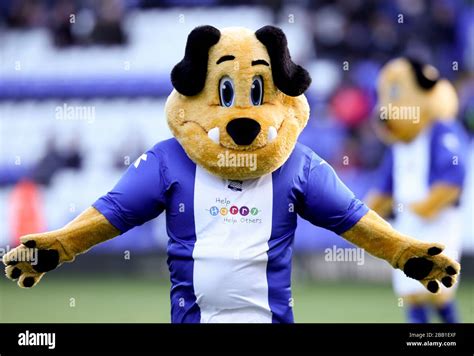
232 182
422 172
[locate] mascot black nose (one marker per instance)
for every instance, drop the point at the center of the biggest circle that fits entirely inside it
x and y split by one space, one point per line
243 130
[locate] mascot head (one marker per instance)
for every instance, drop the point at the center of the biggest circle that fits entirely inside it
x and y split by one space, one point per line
237 106
411 96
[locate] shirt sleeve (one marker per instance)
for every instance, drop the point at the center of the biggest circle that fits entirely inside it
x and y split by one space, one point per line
447 157
327 202
383 182
138 197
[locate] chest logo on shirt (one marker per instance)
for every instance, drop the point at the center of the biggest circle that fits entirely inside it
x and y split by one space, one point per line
232 213
235 185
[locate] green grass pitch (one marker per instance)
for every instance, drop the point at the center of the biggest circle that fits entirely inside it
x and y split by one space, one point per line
128 300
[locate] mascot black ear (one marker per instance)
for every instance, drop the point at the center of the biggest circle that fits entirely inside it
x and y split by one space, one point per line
290 78
426 76
189 76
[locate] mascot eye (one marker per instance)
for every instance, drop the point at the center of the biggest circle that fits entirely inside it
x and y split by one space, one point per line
226 91
256 91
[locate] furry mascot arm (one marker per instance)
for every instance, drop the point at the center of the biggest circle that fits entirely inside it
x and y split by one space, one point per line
381 203
440 196
56 247
419 260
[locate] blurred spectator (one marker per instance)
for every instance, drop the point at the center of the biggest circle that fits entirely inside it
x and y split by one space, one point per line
62 15
72 22
54 160
24 13
129 151
108 29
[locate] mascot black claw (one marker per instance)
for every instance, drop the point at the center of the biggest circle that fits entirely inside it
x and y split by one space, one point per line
232 182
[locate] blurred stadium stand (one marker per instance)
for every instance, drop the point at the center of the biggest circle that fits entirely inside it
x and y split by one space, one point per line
113 58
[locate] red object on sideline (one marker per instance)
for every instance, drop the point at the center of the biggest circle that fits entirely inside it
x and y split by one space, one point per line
351 106
26 211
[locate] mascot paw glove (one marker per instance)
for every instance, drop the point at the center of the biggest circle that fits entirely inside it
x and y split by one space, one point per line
425 262
39 253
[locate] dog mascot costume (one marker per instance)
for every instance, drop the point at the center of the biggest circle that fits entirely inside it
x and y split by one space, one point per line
423 171
232 182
